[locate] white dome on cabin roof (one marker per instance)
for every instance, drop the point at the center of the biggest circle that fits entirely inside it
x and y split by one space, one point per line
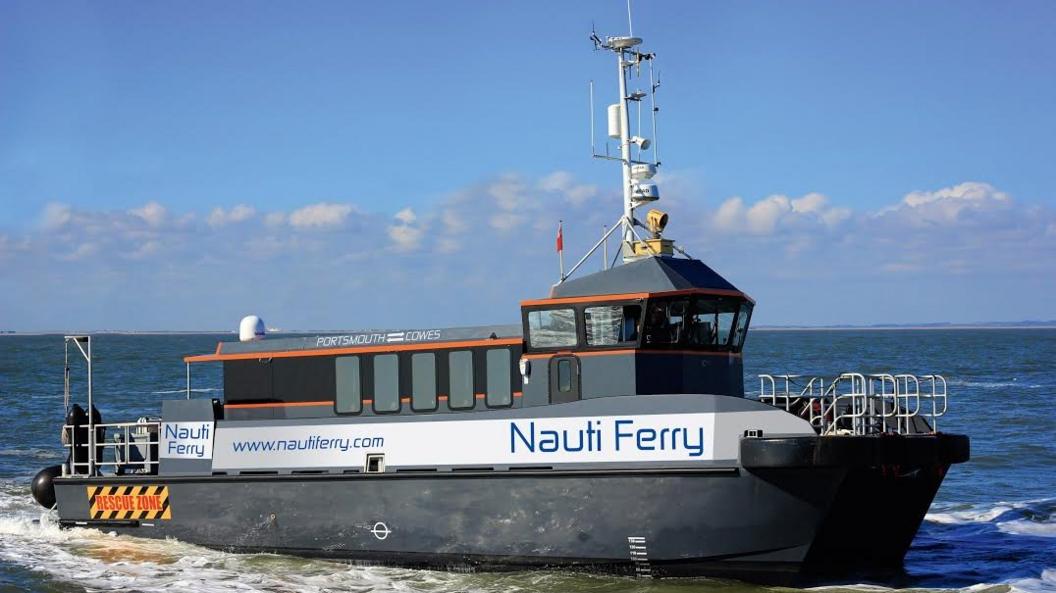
251 329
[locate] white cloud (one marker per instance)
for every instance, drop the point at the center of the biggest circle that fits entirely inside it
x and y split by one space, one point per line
80 252
776 212
405 234
240 213
406 237
321 215
564 183
778 243
273 219
56 215
406 216
151 213
949 205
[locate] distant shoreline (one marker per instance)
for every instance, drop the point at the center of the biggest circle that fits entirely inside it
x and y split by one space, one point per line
1048 325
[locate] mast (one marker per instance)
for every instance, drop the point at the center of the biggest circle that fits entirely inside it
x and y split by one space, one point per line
625 152
636 171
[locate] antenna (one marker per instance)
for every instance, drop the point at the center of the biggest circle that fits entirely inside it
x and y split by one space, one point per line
637 169
652 104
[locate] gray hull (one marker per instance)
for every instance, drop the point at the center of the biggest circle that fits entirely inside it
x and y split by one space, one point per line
496 519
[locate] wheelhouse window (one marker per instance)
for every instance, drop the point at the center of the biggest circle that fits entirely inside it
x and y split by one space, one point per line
706 322
386 383
349 397
741 333
710 322
460 379
612 325
665 321
552 328
423 381
499 390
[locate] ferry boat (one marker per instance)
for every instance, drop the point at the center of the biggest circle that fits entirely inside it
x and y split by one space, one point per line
609 431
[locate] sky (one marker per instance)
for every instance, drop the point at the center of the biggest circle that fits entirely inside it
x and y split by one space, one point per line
335 165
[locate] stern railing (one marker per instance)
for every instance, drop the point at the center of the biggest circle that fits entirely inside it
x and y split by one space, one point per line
860 403
133 447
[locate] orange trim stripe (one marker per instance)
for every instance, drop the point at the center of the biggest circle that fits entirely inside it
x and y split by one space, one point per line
360 350
281 405
588 353
633 296
366 402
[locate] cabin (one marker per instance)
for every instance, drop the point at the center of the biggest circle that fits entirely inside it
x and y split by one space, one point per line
656 325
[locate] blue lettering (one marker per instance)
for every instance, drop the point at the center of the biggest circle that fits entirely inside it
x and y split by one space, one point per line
646 435
697 449
515 431
548 441
619 434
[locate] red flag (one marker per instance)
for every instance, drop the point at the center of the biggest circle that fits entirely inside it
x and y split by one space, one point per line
560 238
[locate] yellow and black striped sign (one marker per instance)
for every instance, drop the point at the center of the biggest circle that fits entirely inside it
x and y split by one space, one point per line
129 502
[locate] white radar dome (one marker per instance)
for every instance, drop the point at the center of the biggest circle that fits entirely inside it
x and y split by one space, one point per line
251 329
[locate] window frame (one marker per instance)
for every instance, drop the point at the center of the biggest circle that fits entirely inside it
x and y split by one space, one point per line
436 382
472 383
359 376
577 318
374 384
581 313
504 374
683 342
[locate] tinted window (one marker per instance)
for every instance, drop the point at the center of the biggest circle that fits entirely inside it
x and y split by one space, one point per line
611 325
664 322
386 383
349 399
423 381
552 328
303 379
460 377
742 325
247 381
710 322
500 392
564 375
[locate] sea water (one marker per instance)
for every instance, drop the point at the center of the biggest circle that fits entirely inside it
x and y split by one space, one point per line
991 529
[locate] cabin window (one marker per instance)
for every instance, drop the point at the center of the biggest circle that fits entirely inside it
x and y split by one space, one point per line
423 381
349 397
386 383
612 325
564 375
552 328
710 322
665 321
742 325
499 391
460 379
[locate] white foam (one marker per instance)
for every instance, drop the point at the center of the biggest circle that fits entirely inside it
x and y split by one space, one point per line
1026 527
1046 583
971 515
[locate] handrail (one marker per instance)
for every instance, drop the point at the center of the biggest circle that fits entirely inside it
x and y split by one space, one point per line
858 403
140 436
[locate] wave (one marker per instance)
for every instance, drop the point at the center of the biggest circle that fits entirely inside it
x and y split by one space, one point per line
1028 527
962 513
994 384
1046 583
